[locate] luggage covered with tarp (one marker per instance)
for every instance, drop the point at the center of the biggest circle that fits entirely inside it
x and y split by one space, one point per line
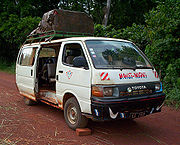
65 21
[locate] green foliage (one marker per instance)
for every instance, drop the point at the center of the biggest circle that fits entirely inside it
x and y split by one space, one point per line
15 29
173 97
18 18
13 32
126 12
172 78
163 47
102 31
7 67
137 34
159 39
163 32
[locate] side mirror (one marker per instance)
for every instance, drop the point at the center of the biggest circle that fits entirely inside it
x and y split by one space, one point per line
80 61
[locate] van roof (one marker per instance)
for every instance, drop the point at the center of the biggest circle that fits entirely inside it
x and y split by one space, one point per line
74 39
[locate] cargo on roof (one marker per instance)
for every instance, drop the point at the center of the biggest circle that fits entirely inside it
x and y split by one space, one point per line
66 21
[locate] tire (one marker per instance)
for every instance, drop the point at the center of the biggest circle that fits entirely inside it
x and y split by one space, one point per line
29 102
73 116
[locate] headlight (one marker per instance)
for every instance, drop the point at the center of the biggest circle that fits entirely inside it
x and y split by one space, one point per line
157 87
100 91
107 91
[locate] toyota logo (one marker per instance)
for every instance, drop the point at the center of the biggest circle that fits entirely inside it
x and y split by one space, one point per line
129 90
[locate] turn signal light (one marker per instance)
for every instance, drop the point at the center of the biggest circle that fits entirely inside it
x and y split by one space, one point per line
97 91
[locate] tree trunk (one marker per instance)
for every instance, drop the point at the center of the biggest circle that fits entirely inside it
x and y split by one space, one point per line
107 10
88 6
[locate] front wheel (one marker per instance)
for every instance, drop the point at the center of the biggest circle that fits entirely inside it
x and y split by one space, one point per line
73 116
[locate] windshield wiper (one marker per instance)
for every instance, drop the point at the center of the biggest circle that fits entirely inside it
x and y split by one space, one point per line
133 68
136 67
143 67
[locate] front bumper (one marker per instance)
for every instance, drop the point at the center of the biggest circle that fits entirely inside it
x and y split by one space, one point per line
111 109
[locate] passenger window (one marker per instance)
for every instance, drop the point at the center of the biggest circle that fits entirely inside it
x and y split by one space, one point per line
72 51
47 52
27 56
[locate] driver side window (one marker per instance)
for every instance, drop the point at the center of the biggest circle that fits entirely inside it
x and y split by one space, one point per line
71 52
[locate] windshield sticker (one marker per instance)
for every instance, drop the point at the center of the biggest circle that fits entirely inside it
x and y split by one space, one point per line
155 74
91 49
104 76
132 75
69 74
92 52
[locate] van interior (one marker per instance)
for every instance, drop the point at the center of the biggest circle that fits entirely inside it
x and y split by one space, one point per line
46 72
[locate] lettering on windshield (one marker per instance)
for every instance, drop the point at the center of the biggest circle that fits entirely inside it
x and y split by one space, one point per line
132 75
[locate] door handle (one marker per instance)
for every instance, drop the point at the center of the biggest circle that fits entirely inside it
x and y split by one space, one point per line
60 71
31 72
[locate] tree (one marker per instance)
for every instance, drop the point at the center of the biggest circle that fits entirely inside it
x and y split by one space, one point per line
13 33
106 15
126 12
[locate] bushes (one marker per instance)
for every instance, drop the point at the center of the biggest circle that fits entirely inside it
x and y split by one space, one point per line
172 83
163 47
163 29
159 39
173 97
13 32
6 66
102 31
136 33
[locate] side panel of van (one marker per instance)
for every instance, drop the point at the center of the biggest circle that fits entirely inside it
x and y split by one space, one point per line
26 71
74 80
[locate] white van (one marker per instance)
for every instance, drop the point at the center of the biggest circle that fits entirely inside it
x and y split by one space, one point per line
89 77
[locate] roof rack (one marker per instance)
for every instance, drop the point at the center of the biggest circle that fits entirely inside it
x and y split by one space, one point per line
53 35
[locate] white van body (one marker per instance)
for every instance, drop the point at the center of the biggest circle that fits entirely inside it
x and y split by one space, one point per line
137 90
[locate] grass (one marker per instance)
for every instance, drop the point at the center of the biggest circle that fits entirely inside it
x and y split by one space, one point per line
7 67
173 97
6 140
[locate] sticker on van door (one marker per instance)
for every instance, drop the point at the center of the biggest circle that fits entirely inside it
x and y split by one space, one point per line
69 74
155 74
104 76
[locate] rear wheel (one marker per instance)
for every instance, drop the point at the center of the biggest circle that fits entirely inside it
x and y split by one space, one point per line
73 116
29 102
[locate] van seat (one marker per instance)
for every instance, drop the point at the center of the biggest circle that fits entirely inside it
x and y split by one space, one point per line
51 68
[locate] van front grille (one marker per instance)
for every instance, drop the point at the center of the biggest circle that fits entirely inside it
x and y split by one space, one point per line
136 92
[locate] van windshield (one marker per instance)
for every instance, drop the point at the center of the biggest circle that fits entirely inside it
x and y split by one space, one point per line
116 54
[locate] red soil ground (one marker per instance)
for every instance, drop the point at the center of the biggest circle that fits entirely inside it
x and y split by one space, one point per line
43 124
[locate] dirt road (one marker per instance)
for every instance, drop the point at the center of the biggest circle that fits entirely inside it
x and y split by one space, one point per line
43 124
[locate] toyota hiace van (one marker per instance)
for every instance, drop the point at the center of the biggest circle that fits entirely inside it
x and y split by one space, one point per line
89 78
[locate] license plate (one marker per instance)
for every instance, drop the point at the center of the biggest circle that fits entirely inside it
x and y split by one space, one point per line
137 114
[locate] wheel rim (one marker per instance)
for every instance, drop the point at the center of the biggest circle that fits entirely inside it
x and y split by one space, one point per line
72 114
